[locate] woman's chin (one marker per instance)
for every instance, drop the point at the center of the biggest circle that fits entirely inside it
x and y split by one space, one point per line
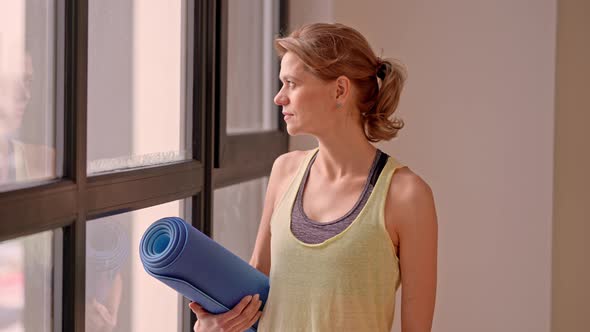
293 131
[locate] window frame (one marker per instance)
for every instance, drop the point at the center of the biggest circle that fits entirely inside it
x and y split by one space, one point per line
238 157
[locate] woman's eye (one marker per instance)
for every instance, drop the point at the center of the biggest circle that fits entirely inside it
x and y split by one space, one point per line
289 83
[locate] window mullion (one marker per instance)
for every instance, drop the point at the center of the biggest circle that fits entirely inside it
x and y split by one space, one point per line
75 104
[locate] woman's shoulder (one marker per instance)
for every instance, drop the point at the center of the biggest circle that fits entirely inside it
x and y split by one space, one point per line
285 167
39 159
408 185
409 199
289 162
408 192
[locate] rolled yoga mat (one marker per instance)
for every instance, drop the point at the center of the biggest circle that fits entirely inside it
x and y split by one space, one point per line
199 268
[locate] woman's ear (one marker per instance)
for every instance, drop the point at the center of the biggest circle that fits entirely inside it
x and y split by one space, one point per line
342 89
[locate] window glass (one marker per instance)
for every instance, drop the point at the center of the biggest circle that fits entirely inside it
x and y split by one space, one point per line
252 66
136 68
236 215
26 283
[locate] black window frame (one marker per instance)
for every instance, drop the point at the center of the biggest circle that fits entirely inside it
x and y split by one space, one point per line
69 202
239 157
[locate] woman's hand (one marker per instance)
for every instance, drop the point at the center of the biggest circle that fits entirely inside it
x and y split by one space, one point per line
238 319
99 318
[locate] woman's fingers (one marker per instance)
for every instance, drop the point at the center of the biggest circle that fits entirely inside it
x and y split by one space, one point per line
241 322
252 308
237 310
254 319
198 310
103 311
250 322
94 321
241 317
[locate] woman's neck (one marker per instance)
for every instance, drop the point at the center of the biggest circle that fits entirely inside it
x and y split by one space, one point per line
343 155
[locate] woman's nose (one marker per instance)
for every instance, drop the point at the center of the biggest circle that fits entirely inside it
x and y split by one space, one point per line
281 100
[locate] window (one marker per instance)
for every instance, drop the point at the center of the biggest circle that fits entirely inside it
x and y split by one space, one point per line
125 109
27 282
136 87
237 212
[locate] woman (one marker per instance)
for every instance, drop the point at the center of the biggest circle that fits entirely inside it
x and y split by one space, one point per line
349 223
20 162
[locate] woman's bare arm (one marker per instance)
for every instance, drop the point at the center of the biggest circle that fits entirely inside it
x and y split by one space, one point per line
414 215
281 171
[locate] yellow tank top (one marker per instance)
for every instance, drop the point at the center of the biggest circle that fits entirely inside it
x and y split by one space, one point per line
346 283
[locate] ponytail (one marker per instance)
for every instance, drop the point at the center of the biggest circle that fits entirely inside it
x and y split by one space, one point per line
390 76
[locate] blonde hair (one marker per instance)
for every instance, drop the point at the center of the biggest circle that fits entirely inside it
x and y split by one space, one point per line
332 50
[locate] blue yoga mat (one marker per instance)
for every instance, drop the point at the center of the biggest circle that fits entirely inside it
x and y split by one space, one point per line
199 268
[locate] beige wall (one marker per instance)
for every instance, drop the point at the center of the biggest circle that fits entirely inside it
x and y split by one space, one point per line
479 112
302 12
571 271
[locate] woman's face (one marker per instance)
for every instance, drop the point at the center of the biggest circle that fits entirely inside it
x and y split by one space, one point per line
15 94
307 100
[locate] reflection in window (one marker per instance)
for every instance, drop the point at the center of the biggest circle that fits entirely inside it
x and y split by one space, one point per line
120 295
26 283
107 250
27 129
236 215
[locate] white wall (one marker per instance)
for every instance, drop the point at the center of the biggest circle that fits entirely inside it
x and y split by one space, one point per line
478 107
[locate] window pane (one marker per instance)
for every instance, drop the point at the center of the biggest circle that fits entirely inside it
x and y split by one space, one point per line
136 104
27 112
236 216
252 74
120 295
26 283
